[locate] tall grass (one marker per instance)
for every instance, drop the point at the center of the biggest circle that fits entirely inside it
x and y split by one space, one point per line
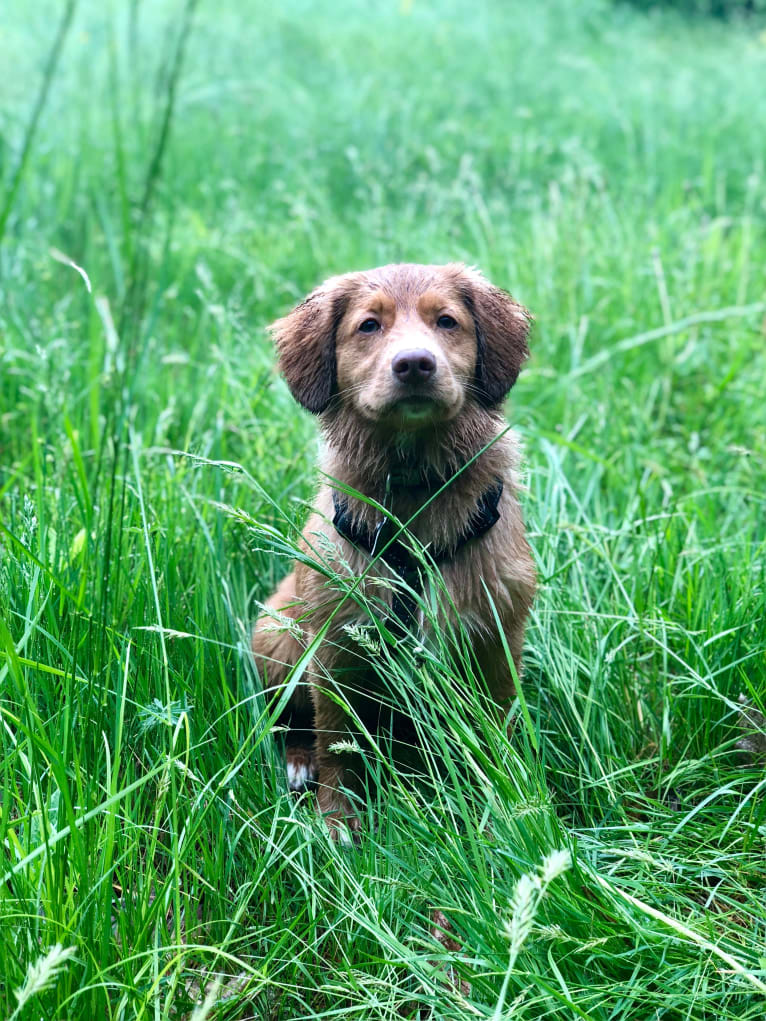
204 166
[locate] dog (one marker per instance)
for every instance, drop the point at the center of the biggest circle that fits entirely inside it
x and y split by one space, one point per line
407 368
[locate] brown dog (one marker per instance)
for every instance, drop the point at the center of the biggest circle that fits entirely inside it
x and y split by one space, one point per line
407 367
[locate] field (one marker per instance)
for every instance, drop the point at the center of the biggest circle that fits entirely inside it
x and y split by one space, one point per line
204 166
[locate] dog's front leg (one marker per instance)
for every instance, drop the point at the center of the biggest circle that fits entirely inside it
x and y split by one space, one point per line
339 765
276 649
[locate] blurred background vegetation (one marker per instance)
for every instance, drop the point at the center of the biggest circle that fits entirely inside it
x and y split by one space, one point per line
204 165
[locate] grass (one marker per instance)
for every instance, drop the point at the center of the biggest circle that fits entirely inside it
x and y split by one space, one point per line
205 166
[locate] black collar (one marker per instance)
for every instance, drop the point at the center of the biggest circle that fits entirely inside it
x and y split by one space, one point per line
397 553
419 477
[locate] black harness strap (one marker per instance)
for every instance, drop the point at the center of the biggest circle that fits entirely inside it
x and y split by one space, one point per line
398 555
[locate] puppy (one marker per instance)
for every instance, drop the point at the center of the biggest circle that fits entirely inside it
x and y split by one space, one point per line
407 367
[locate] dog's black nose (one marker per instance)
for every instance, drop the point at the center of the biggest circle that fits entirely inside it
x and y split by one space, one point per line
414 366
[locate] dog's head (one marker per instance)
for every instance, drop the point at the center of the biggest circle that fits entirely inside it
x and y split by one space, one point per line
404 345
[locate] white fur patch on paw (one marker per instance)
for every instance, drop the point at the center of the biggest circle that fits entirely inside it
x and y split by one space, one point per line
345 837
299 775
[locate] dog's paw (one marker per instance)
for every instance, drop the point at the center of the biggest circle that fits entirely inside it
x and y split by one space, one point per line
342 822
344 829
301 770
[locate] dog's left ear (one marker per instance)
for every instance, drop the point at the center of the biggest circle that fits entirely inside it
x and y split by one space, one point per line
502 326
305 341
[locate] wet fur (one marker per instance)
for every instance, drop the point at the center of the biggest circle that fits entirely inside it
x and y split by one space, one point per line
335 375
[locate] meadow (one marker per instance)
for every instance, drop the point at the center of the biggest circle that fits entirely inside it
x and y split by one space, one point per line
204 165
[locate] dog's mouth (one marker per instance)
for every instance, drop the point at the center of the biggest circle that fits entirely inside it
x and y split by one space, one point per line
416 407
415 401
406 411
410 408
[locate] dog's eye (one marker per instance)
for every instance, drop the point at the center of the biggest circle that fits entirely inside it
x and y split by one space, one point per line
369 326
446 322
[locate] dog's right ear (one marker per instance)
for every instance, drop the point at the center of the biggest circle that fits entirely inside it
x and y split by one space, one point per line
305 341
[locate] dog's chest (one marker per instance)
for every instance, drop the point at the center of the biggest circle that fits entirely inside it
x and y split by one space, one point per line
427 588
417 595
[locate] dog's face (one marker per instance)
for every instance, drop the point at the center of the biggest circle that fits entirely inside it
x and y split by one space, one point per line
405 346
405 357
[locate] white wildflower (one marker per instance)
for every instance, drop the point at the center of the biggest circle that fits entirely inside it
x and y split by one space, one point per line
339 747
523 905
555 865
527 894
280 623
363 635
42 973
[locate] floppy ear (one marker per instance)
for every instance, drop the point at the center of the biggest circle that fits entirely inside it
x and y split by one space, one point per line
305 340
502 326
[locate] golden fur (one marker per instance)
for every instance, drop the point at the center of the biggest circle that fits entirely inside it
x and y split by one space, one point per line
407 367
